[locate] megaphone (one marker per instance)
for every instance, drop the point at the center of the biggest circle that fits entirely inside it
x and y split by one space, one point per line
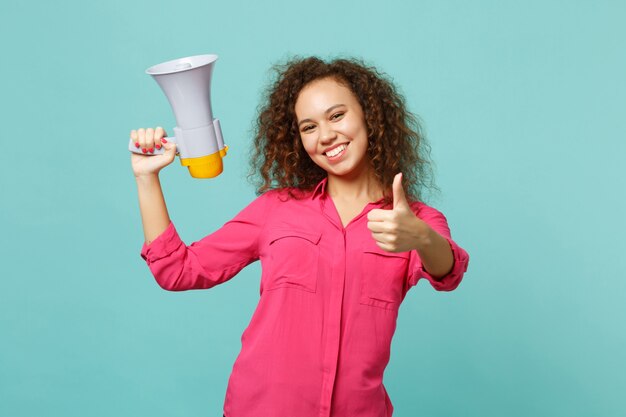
198 136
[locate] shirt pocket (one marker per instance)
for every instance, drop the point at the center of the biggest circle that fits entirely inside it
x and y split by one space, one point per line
382 276
293 260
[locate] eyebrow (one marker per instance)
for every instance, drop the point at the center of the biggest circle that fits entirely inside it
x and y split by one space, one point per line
326 112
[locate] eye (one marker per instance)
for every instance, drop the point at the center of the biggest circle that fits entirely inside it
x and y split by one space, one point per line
337 116
307 128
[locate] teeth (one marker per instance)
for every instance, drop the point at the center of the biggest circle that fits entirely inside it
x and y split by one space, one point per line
336 151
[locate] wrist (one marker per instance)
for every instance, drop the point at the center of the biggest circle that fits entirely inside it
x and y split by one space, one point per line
147 179
423 236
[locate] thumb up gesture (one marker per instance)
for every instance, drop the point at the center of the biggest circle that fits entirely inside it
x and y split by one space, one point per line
398 229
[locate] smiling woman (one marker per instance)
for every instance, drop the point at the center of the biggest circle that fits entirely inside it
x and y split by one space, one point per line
308 99
340 237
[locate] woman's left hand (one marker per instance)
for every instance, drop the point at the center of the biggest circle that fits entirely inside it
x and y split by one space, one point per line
398 229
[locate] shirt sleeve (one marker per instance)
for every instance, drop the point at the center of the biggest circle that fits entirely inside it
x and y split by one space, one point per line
212 260
439 223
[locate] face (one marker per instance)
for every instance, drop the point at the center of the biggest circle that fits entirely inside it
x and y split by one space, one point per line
332 128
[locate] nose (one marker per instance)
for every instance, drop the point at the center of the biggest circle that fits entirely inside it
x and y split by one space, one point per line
327 134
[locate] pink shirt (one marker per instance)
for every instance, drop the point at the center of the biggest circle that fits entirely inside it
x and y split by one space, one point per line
319 340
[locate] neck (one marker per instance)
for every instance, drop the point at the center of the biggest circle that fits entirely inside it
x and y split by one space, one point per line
361 187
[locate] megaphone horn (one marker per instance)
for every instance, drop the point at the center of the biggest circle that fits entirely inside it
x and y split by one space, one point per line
186 83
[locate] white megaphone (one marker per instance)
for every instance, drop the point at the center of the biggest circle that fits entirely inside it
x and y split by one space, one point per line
198 137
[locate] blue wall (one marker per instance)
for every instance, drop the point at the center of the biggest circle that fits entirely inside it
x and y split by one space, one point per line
523 102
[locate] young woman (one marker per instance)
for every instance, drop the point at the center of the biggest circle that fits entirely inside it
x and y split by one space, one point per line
339 229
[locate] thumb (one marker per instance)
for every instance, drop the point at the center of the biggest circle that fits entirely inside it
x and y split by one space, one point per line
399 198
170 147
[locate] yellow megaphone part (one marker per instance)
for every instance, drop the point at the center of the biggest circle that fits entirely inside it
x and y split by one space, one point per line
209 166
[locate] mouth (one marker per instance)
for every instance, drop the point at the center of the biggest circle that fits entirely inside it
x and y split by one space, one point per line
337 152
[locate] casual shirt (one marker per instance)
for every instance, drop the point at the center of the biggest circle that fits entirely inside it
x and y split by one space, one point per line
320 337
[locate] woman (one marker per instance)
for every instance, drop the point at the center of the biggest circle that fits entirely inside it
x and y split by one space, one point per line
340 236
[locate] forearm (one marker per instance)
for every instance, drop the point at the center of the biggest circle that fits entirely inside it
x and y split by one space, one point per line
435 252
154 215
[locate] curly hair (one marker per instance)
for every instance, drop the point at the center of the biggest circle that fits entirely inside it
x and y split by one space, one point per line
396 144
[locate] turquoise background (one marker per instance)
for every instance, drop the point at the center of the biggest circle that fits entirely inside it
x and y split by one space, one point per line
524 104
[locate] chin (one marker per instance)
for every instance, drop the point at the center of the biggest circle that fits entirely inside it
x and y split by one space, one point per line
348 172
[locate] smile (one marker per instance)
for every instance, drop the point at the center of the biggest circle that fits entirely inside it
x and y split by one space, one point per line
337 152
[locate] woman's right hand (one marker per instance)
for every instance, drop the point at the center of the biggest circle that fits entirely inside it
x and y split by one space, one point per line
148 140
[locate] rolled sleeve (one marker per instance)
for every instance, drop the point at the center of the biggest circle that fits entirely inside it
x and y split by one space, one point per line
452 279
164 245
449 281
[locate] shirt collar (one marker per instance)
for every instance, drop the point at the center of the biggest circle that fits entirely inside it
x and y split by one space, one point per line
320 190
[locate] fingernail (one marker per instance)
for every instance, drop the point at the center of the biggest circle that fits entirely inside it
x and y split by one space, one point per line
144 150
158 146
163 140
151 150
136 144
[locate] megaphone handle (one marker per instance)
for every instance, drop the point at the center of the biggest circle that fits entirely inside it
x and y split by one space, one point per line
133 149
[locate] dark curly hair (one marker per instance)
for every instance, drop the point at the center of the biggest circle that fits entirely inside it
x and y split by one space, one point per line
279 160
